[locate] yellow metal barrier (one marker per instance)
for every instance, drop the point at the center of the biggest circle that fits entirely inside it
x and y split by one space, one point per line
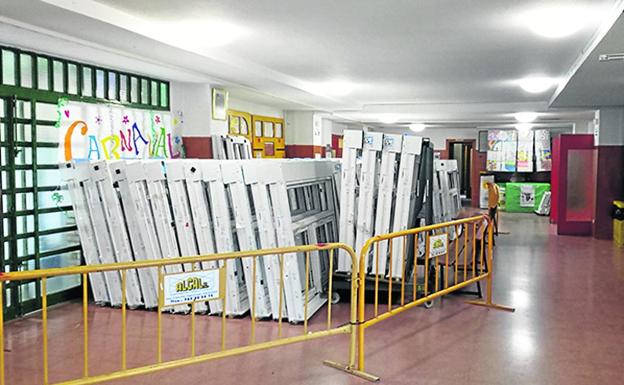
472 230
159 364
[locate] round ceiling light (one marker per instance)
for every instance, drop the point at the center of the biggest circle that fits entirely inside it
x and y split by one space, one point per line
417 127
525 117
388 118
536 85
556 22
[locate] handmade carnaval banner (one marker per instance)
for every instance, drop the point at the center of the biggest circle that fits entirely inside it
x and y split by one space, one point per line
102 131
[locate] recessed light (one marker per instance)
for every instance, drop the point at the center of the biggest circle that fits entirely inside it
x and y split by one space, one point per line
525 117
556 22
524 127
536 85
417 127
388 118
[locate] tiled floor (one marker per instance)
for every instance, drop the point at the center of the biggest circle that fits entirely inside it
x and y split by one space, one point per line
568 329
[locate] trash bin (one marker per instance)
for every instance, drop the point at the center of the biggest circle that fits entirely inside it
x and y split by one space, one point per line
618 223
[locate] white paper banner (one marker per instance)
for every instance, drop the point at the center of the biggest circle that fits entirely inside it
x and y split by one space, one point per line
103 131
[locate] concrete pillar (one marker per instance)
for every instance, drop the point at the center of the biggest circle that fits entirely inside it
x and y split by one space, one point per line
609 142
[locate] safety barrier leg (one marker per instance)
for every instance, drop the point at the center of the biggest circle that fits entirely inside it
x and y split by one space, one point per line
488 296
356 335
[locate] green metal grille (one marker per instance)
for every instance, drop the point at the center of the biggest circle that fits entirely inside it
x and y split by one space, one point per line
38 229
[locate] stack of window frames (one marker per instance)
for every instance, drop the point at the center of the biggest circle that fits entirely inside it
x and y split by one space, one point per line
134 210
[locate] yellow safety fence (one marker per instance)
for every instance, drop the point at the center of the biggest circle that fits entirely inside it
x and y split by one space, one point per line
158 363
454 257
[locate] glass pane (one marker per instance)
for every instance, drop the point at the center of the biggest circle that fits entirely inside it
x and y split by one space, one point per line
234 122
268 129
22 109
144 93
99 84
54 220
46 111
58 284
72 79
42 74
164 95
1 108
47 155
47 134
123 88
26 70
580 200
25 247
112 86
27 290
59 76
258 129
23 156
87 83
48 177
8 67
24 201
23 133
154 93
134 90
23 178
25 224
57 241
278 130
244 126
57 198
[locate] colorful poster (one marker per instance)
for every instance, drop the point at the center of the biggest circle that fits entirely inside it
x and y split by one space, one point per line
525 151
543 154
502 146
102 131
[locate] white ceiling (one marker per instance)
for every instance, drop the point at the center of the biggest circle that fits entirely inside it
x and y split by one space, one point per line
595 83
446 61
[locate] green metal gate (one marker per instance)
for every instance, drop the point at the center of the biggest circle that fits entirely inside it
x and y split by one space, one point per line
38 228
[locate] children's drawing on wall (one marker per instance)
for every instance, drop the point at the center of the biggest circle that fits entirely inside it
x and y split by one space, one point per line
100 131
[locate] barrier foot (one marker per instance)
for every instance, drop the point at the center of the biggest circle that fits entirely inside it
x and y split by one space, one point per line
350 370
492 306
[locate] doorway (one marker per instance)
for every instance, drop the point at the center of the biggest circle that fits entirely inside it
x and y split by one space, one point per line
462 153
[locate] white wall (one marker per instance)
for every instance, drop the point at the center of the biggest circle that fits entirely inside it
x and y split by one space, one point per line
194 101
254 108
610 127
299 127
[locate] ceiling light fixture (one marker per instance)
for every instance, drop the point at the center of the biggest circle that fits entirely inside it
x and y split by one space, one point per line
524 127
611 57
556 22
388 118
417 127
536 85
525 117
